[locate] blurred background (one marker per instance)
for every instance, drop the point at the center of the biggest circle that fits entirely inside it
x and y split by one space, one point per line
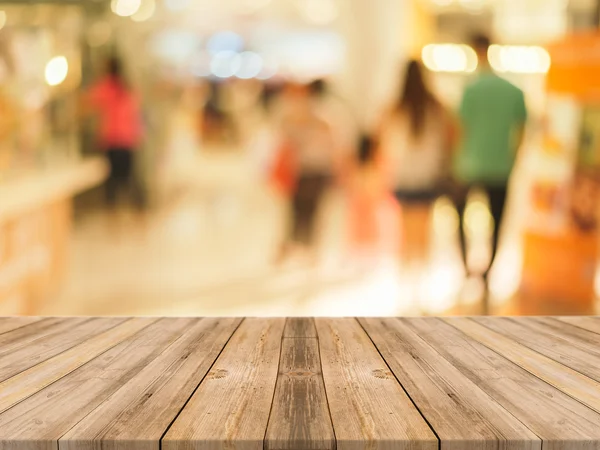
199 229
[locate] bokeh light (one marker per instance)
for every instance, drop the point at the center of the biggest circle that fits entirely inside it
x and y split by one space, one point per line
225 64
57 70
449 58
3 19
519 59
145 12
177 5
125 8
251 65
320 12
225 41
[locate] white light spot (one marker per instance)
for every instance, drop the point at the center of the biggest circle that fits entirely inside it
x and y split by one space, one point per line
251 65
145 12
125 8
57 70
225 64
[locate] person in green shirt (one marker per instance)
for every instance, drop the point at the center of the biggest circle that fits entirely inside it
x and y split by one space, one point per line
493 115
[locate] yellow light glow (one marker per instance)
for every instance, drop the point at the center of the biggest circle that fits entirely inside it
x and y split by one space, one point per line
320 12
445 218
125 8
478 219
145 12
453 58
3 19
57 70
519 59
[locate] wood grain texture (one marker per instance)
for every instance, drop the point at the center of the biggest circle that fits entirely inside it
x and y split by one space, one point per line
73 332
545 342
231 407
137 415
463 416
12 323
571 336
516 349
587 323
369 408
300 415
300 328
39 421
23 336
34 379
301 384
551 414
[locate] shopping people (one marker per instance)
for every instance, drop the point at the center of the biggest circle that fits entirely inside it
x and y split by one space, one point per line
311 146
415 136
117 108
493 116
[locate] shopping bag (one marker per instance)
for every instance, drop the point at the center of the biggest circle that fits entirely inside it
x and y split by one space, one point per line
283 171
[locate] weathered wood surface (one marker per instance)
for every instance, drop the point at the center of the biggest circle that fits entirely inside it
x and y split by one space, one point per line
302 383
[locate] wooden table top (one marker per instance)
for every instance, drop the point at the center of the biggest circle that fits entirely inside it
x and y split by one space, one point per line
294 384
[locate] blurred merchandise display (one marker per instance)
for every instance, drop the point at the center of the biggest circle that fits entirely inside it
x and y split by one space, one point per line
561 243
40 166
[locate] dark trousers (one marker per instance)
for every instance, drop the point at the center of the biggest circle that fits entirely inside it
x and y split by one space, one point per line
497 199
307 198
121 177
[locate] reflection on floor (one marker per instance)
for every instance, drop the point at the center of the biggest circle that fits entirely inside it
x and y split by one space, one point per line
210 253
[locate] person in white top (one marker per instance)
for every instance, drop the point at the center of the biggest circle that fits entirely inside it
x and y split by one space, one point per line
415 137
313 144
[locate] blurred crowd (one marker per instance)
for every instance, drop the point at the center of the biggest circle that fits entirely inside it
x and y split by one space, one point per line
418 151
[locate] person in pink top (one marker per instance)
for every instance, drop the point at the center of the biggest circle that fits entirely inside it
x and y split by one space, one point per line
118 111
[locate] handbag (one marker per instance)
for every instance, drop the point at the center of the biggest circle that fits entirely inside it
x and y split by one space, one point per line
283 171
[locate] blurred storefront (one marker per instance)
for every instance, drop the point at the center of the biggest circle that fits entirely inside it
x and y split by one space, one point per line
41 168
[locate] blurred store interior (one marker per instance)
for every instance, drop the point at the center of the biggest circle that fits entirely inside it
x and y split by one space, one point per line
208 74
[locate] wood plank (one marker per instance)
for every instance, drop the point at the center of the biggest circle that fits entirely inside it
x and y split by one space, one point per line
138 414
559 420
34 379
300 415
463 416
16 360
23 336
231 407
12 323
587 323
300 328
516 349
573 336
544 342
39 421
369 408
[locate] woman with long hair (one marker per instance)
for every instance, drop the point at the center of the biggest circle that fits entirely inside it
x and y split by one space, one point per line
415 137
117 108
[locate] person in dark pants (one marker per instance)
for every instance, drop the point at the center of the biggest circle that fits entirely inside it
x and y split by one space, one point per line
493 116
120 133
121 173
305 203
312 145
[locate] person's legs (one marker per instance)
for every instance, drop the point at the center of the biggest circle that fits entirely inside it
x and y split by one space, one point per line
302 209
112 183
497 199
460 203
416 218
